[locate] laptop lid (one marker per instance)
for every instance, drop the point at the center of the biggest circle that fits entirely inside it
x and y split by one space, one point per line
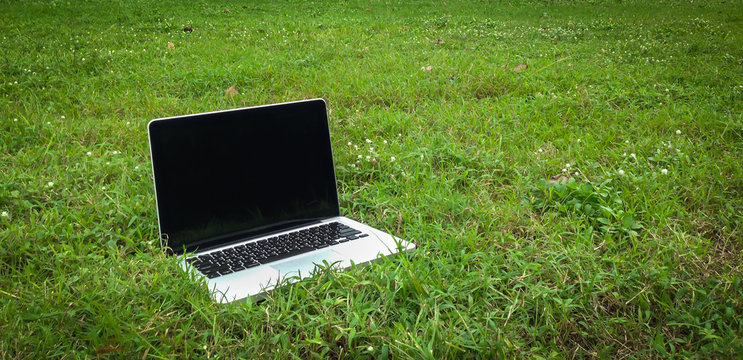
229 175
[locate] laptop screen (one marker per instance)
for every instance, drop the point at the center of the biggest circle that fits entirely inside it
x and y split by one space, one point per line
224 176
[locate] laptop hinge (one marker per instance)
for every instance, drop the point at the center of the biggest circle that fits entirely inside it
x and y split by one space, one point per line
223 243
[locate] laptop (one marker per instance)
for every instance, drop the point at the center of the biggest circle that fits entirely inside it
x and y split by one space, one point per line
247 198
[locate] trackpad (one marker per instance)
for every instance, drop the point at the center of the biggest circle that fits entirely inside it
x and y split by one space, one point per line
304 265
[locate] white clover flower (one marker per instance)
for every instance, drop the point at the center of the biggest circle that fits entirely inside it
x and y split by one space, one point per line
108 163
626 141
576 173
359 156
633 155
540 150
128 122
624 154
567 165
48 123
678 132
103 188
564 170
664 171
15 119
5 214
368 141
368 157
62 117
621 172
421 156
384 142
399 134
136 167
50 184
355 147
578 140
88 153
371 149
350 143
392 158
370 348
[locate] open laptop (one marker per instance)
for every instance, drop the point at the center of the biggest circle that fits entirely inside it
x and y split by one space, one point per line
248 198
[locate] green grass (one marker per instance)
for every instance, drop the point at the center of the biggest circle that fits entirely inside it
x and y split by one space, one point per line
637 255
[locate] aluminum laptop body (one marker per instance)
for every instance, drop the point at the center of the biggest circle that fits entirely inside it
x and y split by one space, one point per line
243 194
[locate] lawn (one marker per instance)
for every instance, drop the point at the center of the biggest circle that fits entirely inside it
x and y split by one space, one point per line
570 172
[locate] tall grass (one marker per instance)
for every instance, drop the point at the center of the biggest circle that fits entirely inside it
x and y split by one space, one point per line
569 171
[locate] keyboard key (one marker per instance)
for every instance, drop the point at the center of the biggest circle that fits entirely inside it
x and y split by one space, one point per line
285 255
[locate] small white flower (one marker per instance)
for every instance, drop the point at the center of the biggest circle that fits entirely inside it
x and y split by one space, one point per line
368 157
664 171
356 147
115 152
392 158
421 157
108 163
83 59
564 170
624 154
621 172
88 153
136 167
103 188
384 141
359 156
567 165
128 122
62 117
576 173
626 141
50 184
678 132
368 141
48 123
350 143
371 149
578 140
15 119
399 134
540 150
370 348
633 155
5 214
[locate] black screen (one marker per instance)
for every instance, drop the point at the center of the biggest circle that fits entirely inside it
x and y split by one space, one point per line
229 175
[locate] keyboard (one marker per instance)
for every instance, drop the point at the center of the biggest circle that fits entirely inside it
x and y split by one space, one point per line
272 249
